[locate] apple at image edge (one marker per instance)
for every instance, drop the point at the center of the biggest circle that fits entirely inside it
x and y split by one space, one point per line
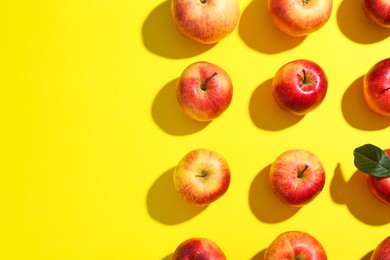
201 177
205 21
198 248
204 91
382 251
377 11
297 177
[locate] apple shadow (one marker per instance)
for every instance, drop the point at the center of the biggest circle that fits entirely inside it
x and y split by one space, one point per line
258 31
367 256
264 111
165 205
259 255
169 116
356 111
161 37
355 25
168 257
264 204
356 195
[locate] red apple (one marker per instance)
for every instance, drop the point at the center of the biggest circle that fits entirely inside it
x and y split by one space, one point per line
296 177
300 17
201 177
295 245
198 248
204 91
382 251
205 21
299 86
377 11
376 87
380 186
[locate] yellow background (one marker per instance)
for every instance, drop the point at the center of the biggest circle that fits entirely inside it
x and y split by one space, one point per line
91 132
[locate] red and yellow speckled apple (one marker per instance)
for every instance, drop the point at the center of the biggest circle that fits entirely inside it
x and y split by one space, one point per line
299 86
205 21
201 177
295 245
377 11
382 251
300 17
296 177
198 248
204 91
376 87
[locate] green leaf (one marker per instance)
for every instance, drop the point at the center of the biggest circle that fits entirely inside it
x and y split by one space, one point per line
372 160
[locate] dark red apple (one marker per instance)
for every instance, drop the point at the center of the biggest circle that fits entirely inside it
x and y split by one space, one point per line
377 11
382 251
198 248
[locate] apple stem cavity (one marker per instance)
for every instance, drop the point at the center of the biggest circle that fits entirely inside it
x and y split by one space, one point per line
204 85
203 1
305 2
386 89
202 173
301 172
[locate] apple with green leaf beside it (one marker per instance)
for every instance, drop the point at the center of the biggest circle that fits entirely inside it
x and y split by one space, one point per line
204 91
295 245
375 163
300 17
299 86
376 87
201 177
198 248
382 251
205 21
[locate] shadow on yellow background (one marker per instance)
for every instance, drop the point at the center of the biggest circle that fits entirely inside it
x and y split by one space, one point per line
257 30
161 37
355 194
169 116
265 113
355 25
259 256
264 204
357 113
165 205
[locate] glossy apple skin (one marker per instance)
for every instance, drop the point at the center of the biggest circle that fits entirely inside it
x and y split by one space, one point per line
377 11
198 248
382 251
299 17
204 104
207 22
376 87
296 177
201 177
295 95
295 245
380 187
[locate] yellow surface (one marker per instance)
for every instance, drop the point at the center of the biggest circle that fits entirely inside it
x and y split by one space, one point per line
91 131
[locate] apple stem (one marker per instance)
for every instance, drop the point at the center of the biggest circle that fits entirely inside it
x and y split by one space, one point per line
301 172
304 76
204 85
202 173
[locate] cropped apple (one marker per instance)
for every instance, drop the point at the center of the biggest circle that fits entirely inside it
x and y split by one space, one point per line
296 177
198 248
204 91
376 87
201 177
299 86
295 245
300 17
205 21
382 251
375 163
377 11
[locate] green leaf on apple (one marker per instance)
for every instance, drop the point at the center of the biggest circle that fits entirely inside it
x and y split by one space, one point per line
372 160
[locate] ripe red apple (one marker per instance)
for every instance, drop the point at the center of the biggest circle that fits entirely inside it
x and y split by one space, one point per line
198 248
295 245
204 91
205 21
382 251
377 11
299 86
296 177
201 177
380 186
376 87
300 17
